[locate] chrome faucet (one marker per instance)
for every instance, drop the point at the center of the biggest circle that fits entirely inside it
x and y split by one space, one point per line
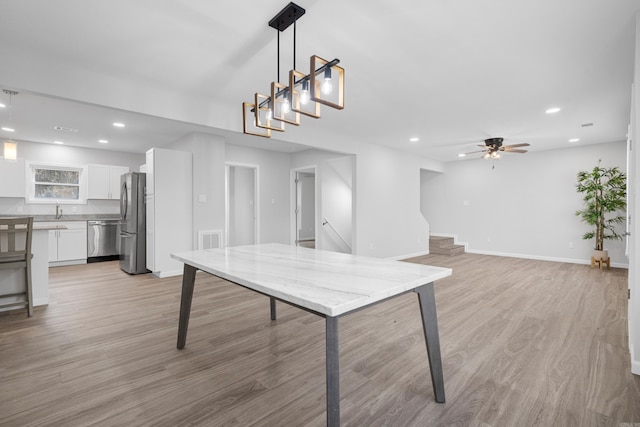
58 211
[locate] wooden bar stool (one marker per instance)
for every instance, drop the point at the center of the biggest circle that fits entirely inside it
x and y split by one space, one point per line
15 252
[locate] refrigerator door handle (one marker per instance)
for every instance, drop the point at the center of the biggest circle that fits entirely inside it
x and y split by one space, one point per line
123 200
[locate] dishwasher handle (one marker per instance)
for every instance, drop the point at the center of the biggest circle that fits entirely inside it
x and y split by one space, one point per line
90 223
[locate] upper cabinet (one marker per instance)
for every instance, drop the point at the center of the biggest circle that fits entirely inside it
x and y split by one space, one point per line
12 178
104 181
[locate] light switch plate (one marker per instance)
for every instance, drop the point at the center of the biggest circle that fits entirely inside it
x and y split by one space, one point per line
202 198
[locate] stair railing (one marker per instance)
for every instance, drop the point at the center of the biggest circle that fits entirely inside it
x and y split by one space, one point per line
342 239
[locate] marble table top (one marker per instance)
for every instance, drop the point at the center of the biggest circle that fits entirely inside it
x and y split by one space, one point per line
326 282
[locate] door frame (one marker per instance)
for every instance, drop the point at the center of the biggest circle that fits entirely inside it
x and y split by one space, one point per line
256 198
292 210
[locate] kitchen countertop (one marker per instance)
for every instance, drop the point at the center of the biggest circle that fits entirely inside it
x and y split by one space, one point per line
78 217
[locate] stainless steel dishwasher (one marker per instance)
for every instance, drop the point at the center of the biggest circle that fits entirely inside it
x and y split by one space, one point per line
103 240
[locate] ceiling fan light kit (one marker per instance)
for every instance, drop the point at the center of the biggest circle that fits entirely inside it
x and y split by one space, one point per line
304 93
493 147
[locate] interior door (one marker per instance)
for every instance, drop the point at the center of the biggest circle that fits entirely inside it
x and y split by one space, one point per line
305 209
242 213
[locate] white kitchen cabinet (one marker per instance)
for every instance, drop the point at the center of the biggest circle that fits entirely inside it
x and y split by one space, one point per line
67 246
12 178
104 181
169 207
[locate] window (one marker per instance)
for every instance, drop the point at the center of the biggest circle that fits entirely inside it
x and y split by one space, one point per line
52 183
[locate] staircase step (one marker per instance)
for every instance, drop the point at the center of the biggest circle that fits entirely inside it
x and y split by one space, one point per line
440 240
444 246
447 250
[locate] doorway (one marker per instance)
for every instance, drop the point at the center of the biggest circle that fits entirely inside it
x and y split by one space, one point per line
242 216
304 189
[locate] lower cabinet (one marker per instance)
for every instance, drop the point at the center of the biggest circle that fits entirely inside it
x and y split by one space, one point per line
68 246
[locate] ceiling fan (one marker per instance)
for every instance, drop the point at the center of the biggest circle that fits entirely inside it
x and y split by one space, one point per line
493 146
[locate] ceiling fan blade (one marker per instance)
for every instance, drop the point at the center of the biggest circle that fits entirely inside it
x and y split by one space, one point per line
474 152
524 144
514 150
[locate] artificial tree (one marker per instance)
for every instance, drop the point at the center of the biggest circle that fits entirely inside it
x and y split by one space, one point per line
605 192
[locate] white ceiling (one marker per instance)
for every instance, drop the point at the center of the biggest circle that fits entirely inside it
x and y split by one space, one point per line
451 72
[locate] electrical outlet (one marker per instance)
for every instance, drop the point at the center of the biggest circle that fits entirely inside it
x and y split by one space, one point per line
19 209
74 209
570 245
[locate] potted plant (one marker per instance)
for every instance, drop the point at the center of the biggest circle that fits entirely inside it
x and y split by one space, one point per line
605 192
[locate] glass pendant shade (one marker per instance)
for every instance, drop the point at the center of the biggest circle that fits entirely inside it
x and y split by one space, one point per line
327 85
10 150
281 103
297 95
264 115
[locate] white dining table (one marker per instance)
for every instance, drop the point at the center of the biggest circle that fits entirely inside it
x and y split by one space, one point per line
328 284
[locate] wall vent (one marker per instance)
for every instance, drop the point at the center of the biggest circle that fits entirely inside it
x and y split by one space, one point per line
209 239
65 129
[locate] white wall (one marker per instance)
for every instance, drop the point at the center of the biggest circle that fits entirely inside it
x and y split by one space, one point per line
337 203
387 208
523 207
50 153
209 152
273 189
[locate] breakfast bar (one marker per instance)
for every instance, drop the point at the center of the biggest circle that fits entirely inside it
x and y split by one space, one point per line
328 284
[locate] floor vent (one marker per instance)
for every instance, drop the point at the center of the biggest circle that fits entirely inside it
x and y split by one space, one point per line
209 239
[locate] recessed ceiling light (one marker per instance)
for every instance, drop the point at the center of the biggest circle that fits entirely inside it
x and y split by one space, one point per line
574 140
2 105
6 129
118 124
462 155
552 110
414 139
58 142
103 141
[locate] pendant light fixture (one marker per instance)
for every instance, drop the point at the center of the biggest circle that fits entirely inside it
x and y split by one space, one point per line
10 147
303 93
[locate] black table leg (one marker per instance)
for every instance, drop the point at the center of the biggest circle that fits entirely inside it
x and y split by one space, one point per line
272 303
188 280
333 372
431 337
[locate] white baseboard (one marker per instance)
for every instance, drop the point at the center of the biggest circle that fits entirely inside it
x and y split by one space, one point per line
542 258
635 364
40 301
63 263
169 273
413 255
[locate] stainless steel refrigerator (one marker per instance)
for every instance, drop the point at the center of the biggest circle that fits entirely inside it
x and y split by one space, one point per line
133 228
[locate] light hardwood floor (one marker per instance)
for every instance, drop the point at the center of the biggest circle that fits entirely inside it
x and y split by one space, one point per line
523 343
